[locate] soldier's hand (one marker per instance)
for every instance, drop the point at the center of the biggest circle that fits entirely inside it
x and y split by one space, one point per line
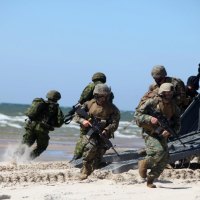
165 134
86 123
104 133
154 120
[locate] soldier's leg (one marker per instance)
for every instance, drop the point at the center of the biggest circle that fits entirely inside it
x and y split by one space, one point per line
89 154
157 158
42 143
157 169
97 162
29 137
143 165
78 151
158 155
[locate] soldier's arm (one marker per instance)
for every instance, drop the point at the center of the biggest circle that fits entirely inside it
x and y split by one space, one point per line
114 122
77 118
141 115
60 118
87 93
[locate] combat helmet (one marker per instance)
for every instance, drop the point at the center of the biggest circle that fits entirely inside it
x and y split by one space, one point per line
102 89
193 81
99 76
158 71
165 87
53 95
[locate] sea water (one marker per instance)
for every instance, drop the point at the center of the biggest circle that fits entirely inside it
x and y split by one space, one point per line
62 140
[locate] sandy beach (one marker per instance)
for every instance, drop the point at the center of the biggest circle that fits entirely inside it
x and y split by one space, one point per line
52 177
60 181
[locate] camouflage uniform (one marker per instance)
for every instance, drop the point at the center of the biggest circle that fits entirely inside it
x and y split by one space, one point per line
41 120
179 87
87 95
159 71
156 146
94 148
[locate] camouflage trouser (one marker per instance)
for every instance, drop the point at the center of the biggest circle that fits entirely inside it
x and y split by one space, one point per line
34 132
157 155
92 153
78 152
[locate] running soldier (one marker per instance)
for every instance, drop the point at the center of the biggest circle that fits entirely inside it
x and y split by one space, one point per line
154 135
43 117
191 87
87 94
99 108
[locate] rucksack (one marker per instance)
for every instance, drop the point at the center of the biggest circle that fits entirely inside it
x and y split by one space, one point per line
36 109
148 95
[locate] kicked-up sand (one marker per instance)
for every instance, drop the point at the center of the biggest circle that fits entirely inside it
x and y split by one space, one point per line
52 177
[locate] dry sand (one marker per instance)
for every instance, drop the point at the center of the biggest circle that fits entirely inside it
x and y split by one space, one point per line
59 181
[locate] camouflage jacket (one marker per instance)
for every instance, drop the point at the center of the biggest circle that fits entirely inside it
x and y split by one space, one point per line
55 115
179 87
45 112
171 111
108 115
87 93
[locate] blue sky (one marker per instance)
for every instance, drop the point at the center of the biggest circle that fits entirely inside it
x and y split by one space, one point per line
59 44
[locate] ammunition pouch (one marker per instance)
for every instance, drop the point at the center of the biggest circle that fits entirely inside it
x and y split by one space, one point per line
29 124
47 126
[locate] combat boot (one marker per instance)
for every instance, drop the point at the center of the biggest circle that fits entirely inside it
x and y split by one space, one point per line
83 176
150 182
143 166
85 172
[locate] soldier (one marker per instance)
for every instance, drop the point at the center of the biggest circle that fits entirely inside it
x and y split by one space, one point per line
155 136
108 116
192 86
43 116
160 76
191 92
87 95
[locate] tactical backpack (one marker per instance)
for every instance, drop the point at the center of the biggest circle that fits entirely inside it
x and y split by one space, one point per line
37 107
148 95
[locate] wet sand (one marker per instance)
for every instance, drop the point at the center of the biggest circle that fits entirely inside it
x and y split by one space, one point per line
61 147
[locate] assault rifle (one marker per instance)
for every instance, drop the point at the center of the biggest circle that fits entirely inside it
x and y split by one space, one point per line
95 129
164 123
68 117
